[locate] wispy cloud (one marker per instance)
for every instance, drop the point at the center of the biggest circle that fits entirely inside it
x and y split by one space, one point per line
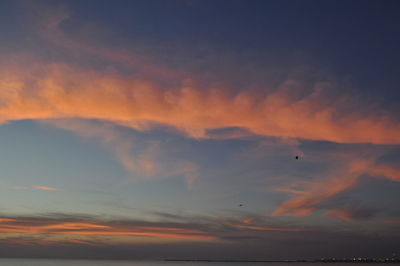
58 228
263 228
46 20
38 187
385 171
205 236
351 214
46 188
19 187
318 191
92 228
147 163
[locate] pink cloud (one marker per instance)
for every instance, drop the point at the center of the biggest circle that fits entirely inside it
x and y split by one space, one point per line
58 230
54 91
46 188
309 200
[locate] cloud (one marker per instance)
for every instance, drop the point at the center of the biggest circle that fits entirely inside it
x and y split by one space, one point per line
318 191
46 21
77 236
19 187
394 221
66 94
351 214
385 171
34 89
147 163
59 228
143 97
50 227
289 190
263 228
35 187
46 188
31 89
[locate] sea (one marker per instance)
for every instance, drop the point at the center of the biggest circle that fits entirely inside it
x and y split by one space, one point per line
60 262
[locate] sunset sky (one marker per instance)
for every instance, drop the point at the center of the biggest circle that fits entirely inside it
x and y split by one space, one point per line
170 129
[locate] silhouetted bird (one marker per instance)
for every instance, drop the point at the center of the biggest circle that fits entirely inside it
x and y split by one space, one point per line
240 205
297 157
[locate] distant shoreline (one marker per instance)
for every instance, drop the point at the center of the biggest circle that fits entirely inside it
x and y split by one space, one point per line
294 261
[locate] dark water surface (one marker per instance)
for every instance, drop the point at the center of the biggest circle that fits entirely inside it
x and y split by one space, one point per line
52 262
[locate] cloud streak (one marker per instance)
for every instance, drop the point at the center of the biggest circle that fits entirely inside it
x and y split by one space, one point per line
351 214
319 191
201 234
83 228
61 228
46 188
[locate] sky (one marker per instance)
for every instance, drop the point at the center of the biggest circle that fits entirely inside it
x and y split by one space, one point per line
170 129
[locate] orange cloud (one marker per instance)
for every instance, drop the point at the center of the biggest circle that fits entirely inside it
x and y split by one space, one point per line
351 213
35 90
56 90
308 200
340 214
249 223
92 228
290 190
248 220
264 228
2 220
81 242
321 189
385 171
46 188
